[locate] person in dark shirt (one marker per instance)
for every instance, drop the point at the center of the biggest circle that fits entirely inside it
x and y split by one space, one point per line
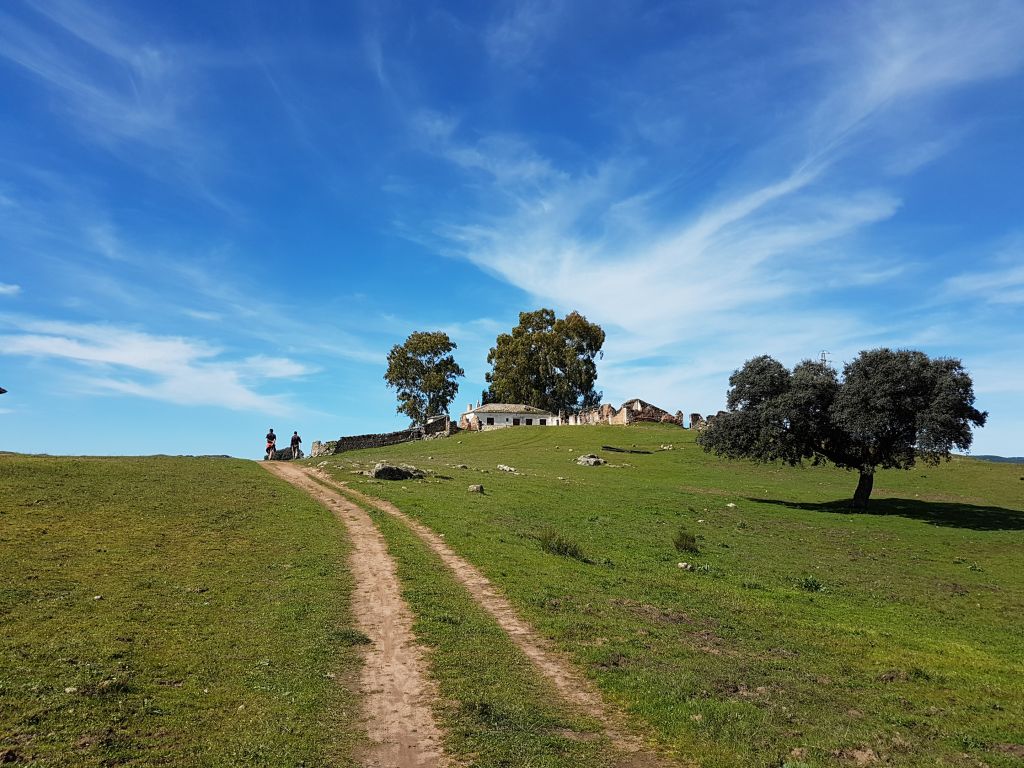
271 443
296 440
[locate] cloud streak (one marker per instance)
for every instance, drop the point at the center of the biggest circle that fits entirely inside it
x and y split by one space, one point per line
741 269
172 369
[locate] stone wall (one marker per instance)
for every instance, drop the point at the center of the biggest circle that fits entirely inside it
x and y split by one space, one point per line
355 442
440 427
285 454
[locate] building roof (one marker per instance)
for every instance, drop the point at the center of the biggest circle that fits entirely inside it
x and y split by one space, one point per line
509 408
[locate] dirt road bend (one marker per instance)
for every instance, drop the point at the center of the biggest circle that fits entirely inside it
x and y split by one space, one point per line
397 693
572 685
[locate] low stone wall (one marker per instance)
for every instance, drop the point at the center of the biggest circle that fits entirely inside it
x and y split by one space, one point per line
285 454
437 428
355 442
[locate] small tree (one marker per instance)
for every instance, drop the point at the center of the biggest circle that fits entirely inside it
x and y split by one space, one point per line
424 373
890 409
546 362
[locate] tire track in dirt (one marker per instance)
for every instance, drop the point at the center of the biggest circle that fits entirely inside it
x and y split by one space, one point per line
572 686
397 693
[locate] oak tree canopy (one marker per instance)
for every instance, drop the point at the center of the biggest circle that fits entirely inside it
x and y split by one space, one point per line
889 409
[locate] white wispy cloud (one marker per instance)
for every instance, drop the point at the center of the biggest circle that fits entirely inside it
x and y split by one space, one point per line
173 369
1001 281
517 36
116 89
737 271
1000 286
9 289
894 54
124 89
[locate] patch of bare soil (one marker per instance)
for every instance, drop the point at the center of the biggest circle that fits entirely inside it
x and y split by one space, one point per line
573 687
859 756
397 693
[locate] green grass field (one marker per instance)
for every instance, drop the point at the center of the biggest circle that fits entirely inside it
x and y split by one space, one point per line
170 611
804 635
194 611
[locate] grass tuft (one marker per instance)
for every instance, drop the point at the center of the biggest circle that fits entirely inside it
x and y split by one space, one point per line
810 584
685 541
554 543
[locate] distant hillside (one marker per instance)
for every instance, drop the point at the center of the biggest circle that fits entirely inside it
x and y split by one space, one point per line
1003 459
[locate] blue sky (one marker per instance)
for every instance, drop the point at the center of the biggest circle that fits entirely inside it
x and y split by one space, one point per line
218 217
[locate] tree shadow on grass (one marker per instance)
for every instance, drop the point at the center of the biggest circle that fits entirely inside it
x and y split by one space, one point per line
947 514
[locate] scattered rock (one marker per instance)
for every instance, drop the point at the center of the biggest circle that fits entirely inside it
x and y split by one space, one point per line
506 468
98 597
798 753
684 566
590 460
385 471
476 489
461 466
892 676
70 689
730 505
668 447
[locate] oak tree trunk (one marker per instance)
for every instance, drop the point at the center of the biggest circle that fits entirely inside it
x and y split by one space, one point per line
864 486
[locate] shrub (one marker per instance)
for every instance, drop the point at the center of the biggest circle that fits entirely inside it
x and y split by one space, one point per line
810 584
685 541
554 543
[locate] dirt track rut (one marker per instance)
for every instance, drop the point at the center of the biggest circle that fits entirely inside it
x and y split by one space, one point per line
570 684
397 693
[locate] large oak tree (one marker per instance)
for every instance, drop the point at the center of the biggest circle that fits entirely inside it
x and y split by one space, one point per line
547 362
890 409
424 372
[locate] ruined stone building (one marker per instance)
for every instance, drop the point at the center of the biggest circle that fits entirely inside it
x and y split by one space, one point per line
630 412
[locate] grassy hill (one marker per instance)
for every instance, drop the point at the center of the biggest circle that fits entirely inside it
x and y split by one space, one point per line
169 611
805 635
192 611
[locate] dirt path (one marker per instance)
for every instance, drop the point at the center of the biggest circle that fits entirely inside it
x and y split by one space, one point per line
570 684
396 691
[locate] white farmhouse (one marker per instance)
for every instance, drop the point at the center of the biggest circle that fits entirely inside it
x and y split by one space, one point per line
498 415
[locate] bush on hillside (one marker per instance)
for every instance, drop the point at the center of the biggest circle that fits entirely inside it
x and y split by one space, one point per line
554 543
685 541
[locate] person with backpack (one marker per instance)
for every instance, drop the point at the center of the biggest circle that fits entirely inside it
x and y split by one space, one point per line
296 440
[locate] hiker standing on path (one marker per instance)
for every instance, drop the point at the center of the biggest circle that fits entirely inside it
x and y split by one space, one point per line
296 440
271 443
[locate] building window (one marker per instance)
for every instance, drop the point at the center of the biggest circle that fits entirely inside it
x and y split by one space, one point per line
490 420
515 422
529 422
543 422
